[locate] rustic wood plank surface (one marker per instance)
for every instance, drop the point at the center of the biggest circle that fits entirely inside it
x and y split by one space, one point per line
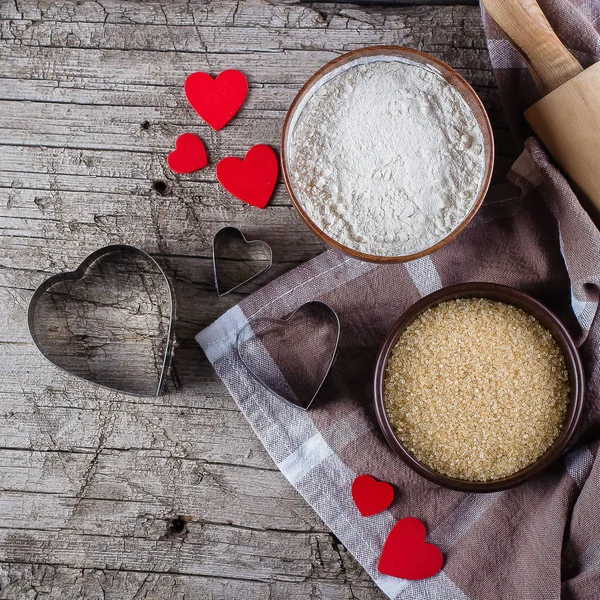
109 496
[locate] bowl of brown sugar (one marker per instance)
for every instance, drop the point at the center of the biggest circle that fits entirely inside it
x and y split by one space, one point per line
478 387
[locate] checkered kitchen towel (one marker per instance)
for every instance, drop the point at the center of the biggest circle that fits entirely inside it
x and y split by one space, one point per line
540 540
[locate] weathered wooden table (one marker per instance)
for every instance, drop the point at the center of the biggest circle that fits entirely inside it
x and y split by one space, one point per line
111 496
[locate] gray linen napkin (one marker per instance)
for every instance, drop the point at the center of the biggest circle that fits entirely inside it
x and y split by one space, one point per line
540 540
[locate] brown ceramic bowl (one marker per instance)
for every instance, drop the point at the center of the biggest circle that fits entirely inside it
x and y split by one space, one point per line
547 319
452 77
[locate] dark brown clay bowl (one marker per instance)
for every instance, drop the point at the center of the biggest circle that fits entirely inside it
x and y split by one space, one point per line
530 305
452 77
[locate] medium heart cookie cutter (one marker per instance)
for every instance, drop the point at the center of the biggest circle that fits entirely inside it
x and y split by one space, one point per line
256 326
78 274
231 232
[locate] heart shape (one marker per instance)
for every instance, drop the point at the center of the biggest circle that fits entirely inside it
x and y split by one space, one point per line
230 244
216 100
109 321
371 496
252 179
406 554
189 154
292 357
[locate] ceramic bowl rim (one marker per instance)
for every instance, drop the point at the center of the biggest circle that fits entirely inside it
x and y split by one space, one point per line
458 83
548 319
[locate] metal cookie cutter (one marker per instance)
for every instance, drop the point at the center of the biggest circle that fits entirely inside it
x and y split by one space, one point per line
230 233
289 378
78 274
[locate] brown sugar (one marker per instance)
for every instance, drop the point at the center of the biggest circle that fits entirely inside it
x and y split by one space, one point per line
476 389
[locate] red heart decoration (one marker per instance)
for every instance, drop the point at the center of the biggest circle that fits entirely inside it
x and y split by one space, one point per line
251 180
405 553
189 154
371 496
216 100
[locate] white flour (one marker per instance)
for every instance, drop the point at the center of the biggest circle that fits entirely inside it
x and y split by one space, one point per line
386 158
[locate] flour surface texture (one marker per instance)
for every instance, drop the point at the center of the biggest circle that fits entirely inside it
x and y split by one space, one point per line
386 157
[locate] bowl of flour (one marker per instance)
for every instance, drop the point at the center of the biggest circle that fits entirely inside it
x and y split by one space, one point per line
387 153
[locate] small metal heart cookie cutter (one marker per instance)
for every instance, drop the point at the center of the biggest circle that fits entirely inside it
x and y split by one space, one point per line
231 232
249 332
78 274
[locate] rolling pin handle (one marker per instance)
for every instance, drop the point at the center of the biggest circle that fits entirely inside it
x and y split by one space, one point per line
524 23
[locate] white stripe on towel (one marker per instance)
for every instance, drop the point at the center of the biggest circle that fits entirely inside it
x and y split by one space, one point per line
424 275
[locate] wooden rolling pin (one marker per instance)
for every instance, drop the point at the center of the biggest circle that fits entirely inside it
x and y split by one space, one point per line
567 118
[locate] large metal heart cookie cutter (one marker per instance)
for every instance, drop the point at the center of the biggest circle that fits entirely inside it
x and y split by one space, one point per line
292 357
109 322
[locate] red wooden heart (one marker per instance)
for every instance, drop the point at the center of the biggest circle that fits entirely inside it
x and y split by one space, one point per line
371 496
189 154
251 180
405 553
216 100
